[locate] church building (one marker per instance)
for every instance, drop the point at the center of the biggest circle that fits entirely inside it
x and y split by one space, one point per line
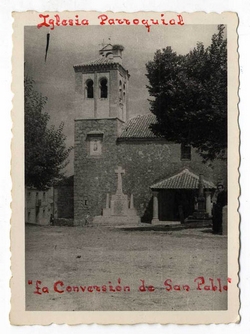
157 176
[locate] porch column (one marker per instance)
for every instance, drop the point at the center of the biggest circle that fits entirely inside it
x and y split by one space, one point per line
132 202
155 219
208 203
107 201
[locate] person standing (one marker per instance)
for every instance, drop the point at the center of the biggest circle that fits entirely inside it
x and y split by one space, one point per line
221 201
51 219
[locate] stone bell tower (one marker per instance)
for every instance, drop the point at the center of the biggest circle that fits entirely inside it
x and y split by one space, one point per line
101 86
101 109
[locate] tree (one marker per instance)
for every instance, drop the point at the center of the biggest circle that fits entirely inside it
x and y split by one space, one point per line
190 96
45 149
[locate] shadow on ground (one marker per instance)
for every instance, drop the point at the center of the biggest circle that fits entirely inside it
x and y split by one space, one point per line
167 227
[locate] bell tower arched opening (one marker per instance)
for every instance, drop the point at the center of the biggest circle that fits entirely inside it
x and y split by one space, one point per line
89 89
103 87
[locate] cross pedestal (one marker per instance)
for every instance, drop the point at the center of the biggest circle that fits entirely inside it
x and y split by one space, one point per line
118 212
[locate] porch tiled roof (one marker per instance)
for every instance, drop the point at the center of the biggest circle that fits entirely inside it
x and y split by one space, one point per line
139 127
183 180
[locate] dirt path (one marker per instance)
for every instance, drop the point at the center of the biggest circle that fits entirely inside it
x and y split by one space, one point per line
92 257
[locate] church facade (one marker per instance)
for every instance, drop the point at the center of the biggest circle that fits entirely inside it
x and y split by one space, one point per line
162 176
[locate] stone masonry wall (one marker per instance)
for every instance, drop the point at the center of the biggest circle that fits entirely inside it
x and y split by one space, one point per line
94 175
146 163
65 201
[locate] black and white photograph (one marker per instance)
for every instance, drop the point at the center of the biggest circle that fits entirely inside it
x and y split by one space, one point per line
127 151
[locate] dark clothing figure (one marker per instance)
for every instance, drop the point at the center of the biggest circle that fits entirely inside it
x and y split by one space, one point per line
51 220
217 211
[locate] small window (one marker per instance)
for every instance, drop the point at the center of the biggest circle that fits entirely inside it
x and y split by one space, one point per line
90 89
185 152
124 92
44 196
43 213
103 88
120 90
28 216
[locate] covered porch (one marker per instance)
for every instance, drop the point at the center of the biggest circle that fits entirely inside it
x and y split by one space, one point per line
175 198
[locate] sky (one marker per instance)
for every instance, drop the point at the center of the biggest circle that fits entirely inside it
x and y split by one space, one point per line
75 45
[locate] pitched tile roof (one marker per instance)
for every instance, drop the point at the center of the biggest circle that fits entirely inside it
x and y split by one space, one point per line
139 127
101 63
183 180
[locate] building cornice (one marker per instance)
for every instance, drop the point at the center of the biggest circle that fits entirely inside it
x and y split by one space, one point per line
101 66
99 119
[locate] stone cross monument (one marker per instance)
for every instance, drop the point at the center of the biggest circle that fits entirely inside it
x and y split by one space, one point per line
119 171
118 210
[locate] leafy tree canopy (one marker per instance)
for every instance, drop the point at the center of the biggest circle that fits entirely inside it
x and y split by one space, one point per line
190 96
45 149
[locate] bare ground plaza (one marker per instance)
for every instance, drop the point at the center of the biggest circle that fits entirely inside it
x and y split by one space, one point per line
98 268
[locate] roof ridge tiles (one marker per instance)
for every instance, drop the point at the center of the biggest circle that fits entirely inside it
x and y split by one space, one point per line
138 127
180 183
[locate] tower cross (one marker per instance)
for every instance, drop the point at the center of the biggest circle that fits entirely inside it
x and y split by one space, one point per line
119 171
